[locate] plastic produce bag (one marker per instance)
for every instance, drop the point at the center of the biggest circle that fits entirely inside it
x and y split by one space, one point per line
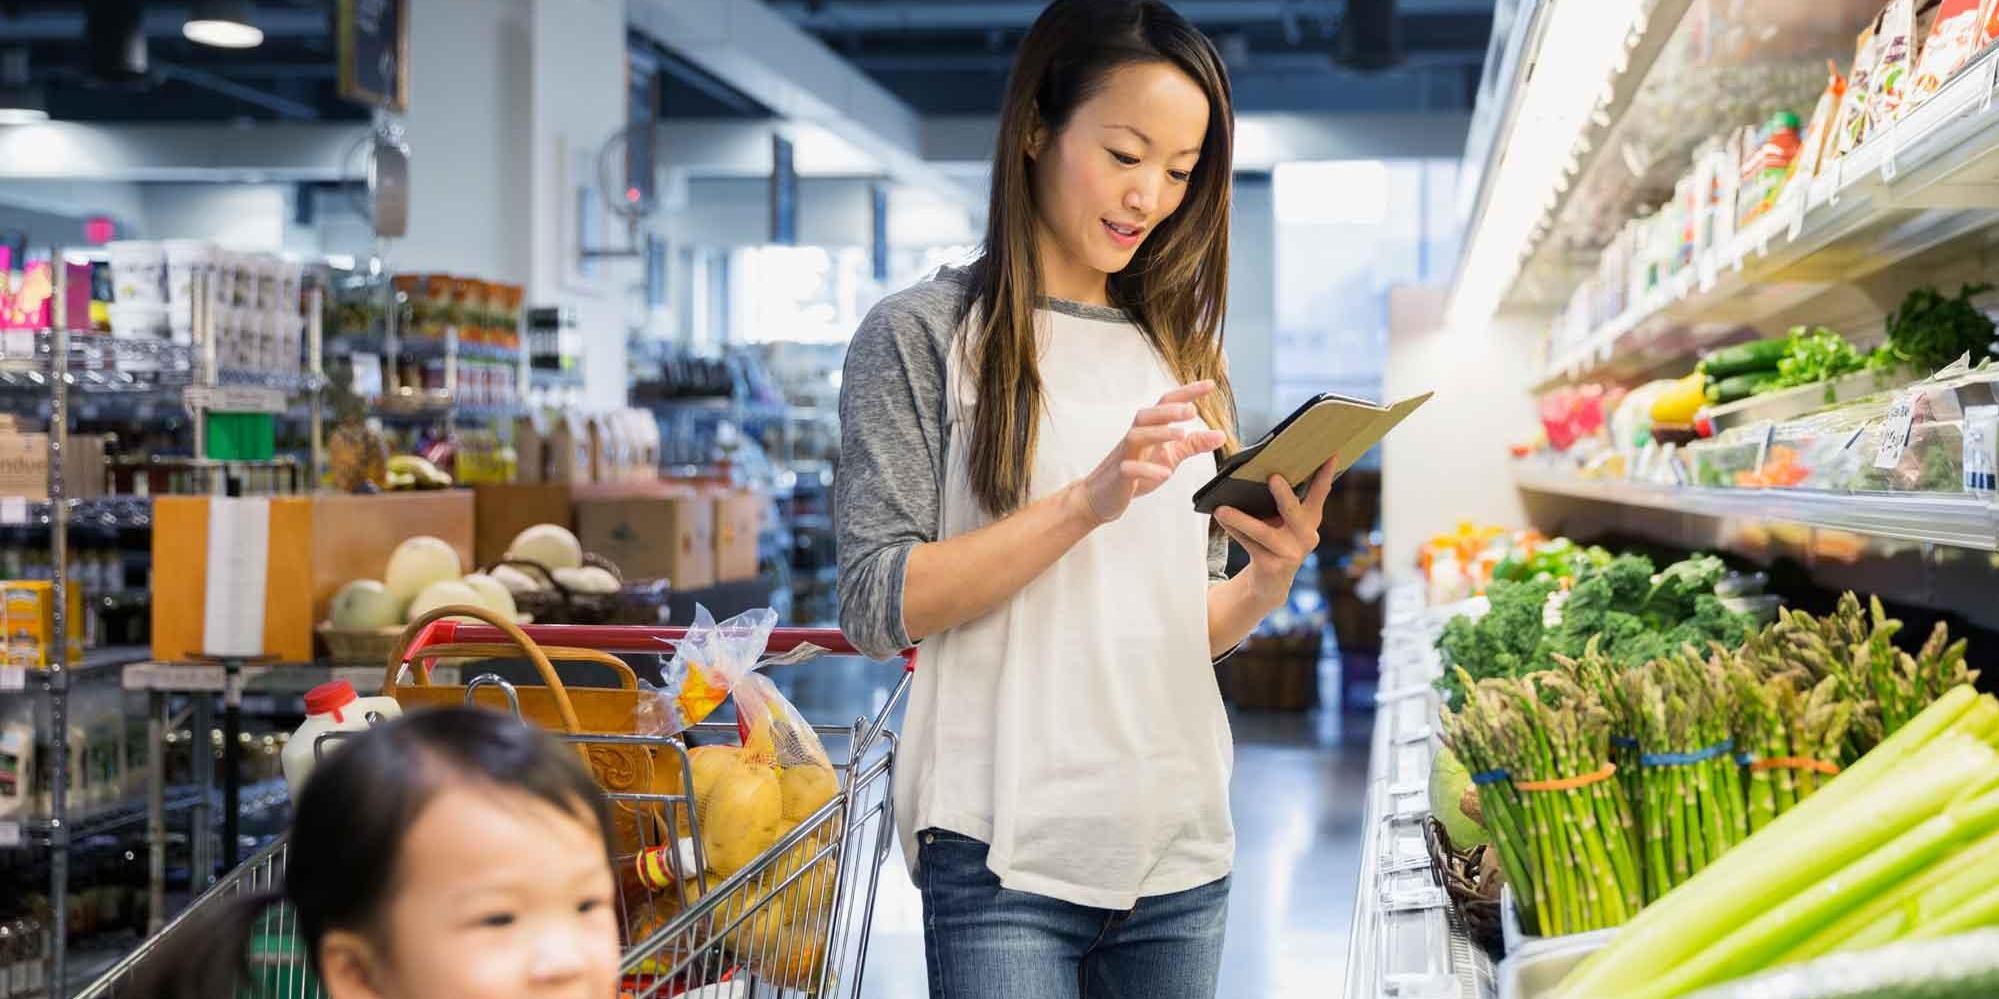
706 665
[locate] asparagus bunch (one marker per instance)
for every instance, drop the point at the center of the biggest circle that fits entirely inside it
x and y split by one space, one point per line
1478 733
1692 799
1855 646
1566 847
1790 727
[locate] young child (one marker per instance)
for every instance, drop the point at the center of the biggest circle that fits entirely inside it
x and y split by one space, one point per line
449 853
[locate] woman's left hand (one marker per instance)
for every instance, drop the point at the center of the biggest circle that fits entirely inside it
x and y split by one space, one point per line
1277 547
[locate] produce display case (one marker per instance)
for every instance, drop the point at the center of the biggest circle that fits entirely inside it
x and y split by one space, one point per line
1407 939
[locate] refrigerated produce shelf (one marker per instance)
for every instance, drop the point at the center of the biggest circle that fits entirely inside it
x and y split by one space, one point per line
1927 180
1407 940
1957 520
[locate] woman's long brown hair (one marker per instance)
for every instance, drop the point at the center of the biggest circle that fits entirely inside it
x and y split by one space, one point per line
1176 286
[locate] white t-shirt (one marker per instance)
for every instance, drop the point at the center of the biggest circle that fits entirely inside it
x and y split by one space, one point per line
1077 728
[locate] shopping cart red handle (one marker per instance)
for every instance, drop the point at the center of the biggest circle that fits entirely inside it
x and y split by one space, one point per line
630 638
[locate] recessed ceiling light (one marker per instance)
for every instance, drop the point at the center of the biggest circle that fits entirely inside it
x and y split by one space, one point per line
225 24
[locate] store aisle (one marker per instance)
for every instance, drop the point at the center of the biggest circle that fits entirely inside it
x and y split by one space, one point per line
1298 794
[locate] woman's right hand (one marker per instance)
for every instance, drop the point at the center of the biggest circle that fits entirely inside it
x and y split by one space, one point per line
1148 455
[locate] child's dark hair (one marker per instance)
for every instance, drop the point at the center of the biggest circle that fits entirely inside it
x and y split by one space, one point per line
347 833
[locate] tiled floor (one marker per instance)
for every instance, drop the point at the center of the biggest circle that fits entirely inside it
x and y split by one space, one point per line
1298 795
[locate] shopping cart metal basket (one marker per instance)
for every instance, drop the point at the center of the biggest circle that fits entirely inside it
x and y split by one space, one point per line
795 921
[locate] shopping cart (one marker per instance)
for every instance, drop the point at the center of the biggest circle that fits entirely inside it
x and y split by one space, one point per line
795 921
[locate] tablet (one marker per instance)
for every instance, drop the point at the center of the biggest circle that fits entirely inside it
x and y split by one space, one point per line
1295 449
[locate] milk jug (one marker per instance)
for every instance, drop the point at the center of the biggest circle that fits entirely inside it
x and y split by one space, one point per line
330 707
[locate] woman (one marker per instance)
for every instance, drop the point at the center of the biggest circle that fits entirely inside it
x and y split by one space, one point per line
452 852
1021 444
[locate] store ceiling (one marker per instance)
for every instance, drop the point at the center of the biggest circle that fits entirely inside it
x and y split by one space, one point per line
289 77
951 56
939 56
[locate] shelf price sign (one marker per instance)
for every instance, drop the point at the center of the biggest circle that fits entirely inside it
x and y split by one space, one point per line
13 678
10 834
1895 431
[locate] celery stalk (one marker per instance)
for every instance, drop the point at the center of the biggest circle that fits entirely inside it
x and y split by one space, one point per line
1974 912
1889 915
1751 946
1819 837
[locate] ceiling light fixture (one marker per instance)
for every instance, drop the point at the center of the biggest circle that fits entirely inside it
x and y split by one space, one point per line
20 103
224 24
1582 47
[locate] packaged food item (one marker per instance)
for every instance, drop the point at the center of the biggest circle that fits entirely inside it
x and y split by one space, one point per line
27 622
17 765
1769 166
1988 26
1951 41
1888 84
1851 128
1813 147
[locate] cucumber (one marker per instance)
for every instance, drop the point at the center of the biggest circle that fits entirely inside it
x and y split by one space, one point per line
1738 387
1759 355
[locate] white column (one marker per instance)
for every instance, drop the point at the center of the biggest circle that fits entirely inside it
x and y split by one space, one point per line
1251 323
510 101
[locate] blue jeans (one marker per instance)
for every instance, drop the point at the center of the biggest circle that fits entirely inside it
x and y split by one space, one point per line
982 941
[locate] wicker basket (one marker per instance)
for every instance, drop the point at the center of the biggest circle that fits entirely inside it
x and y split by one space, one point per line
1273 674
634 603
1471 882
359 646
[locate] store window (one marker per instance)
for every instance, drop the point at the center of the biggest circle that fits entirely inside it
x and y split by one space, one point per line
1346 233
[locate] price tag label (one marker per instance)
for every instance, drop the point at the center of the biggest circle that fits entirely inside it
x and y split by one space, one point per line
235 399
13 678
18 343
1895 431
10 834
1838 180
1798 203
13 510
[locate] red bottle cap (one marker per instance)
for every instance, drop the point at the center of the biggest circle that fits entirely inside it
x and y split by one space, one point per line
329 698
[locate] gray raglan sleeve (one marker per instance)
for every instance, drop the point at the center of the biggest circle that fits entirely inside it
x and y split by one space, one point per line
1218 553
887 491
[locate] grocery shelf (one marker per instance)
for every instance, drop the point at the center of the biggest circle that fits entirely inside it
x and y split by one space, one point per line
15 679
254 799
97 511
1928 180
1957 520
280 679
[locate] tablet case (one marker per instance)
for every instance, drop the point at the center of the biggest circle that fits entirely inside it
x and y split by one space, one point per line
1326 425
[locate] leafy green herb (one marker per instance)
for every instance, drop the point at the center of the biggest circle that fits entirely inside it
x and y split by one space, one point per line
1930 331
1814 355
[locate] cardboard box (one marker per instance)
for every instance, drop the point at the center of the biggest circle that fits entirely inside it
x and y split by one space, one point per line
180 578
353 536
317 544
24 465
28 623
502 512
738 519
652 533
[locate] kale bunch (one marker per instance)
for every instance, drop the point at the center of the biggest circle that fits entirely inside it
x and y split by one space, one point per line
1506 641
1637 616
